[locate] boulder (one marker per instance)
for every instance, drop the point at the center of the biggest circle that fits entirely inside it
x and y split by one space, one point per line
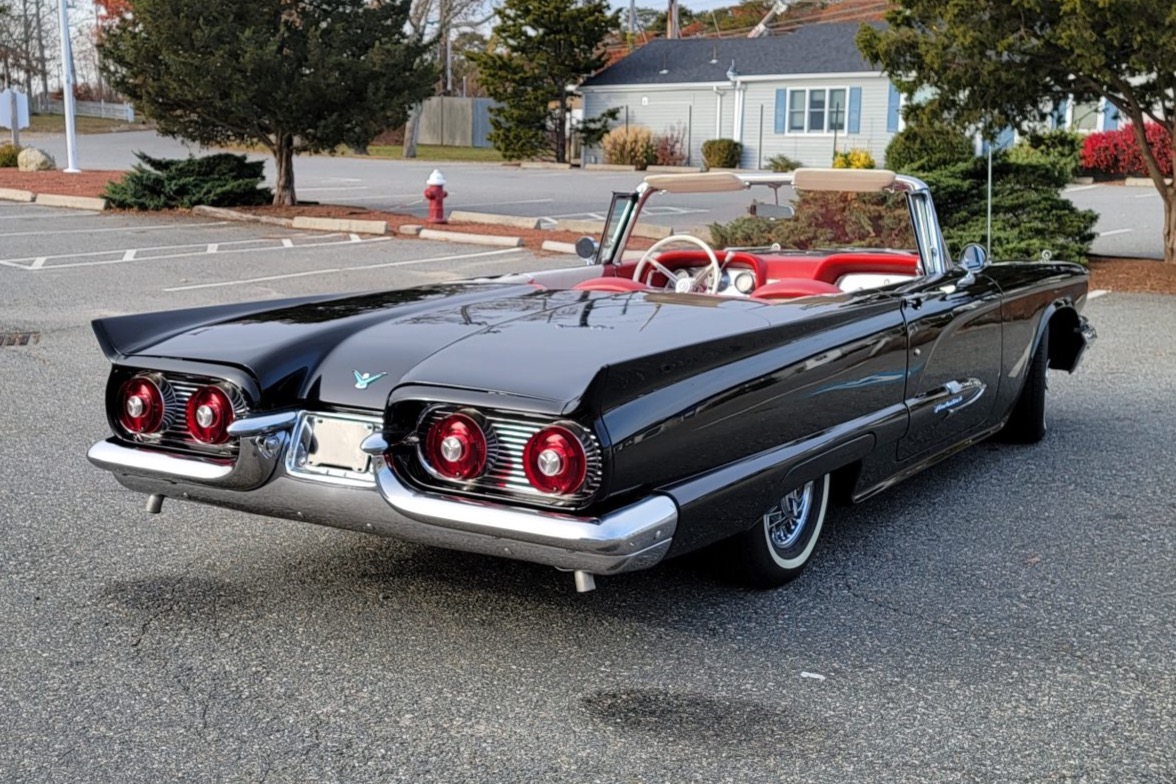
32 159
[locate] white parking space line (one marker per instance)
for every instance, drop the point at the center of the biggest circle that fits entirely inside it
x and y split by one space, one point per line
187 250
1097 293
1077 188
32 215
500 203
586 215
336 188
1148 195
335 270
1113 232
127 229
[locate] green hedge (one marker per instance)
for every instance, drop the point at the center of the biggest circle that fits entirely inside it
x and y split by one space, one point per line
1028 215
221 180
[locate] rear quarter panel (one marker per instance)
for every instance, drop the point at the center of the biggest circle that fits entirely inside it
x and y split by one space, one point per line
726 441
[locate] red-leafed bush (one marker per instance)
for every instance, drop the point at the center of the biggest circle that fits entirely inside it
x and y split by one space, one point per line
1117 153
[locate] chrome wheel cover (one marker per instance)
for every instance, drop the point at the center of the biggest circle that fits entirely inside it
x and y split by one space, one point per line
786 521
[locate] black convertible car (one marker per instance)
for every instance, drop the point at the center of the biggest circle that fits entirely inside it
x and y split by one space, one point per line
603 417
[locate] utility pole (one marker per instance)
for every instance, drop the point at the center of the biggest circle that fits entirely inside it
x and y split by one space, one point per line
672 30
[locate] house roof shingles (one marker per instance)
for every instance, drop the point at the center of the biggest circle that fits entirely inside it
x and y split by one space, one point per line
813 49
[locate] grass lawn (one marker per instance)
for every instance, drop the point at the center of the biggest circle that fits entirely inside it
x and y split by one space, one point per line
55 123
431 152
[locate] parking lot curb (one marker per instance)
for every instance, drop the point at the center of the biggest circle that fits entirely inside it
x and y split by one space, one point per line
558 247
612 167
71 202
472 239
337 224
650 231
518 221
544 165
583 226
244 217
11 194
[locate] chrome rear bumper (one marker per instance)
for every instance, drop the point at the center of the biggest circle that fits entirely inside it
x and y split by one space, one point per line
634 537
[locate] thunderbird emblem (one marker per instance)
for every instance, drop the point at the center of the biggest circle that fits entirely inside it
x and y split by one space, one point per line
362 380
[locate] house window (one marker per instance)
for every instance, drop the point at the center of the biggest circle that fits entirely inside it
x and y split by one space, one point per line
796 111
818 110
837 110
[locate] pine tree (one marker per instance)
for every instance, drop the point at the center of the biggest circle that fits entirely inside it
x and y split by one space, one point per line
290 75
544 46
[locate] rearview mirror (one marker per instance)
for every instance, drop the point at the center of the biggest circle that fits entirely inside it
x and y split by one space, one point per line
763 209
973 259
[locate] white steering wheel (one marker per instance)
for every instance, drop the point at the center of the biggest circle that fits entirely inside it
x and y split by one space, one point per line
715 271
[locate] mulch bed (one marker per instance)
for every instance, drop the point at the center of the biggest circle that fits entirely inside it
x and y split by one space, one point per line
1106 272
1148 276
86 183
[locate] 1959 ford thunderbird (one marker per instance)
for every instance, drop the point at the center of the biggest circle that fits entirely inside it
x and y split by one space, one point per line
603 417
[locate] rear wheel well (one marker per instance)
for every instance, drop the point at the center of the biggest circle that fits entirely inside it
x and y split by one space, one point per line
1065 340
842 483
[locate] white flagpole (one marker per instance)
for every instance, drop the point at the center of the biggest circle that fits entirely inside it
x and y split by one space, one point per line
67 89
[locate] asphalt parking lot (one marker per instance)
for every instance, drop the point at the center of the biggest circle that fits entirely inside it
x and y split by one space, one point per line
1006 616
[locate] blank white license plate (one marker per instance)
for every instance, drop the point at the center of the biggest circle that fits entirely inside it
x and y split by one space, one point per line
336 444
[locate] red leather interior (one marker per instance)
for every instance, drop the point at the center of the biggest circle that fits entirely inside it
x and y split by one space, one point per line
791 276
615 285
832 268
789 288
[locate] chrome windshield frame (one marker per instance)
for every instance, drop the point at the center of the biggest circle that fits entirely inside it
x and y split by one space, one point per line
928 236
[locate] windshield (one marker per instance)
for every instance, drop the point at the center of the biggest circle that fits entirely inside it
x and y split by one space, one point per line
822 220
618 218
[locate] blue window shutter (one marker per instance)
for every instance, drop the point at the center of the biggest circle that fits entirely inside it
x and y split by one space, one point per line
781 110
1110 117
853 122
892 106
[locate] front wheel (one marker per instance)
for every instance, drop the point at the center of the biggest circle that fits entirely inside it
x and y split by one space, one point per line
778 547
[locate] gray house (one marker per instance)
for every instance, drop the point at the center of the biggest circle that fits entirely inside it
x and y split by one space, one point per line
796 94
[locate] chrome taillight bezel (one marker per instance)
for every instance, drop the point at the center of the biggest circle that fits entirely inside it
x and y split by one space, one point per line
504 477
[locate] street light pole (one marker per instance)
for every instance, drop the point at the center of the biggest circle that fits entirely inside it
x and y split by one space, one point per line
68 79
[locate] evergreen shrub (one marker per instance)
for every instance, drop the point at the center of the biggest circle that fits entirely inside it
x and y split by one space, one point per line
722 153
221 180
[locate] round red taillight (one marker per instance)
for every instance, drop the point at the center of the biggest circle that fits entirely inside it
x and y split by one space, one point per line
554 461
140 406
209 414
456 447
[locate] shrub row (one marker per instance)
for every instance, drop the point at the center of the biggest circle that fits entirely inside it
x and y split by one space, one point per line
1029 214
1118 154
636 146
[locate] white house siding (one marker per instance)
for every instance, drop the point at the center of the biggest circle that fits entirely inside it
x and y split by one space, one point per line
813 149
659 109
